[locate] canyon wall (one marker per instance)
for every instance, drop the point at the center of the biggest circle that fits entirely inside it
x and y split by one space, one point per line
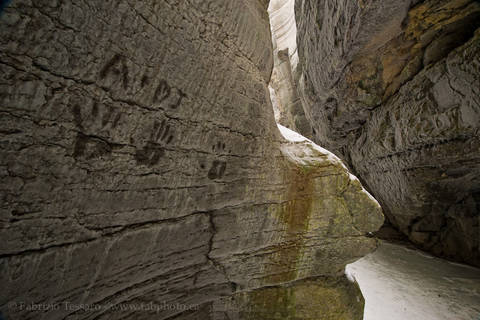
393 87
143 175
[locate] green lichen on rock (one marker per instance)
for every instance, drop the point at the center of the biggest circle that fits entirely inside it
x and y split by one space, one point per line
310 232
314 299
324 217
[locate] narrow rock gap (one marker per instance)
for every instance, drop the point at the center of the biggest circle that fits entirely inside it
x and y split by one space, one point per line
397 281
286 102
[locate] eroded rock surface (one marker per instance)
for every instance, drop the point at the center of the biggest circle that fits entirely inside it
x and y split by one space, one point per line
143 175
393 88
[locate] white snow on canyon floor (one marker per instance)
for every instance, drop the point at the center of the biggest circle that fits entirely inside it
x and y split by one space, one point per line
399 283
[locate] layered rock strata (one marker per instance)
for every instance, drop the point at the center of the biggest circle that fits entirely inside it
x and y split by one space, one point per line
393 88
143 175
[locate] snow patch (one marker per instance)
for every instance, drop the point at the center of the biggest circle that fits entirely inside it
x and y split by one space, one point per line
291 135
399 283
351 277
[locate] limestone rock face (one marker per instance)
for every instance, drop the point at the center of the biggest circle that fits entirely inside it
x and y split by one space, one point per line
143 175
392 87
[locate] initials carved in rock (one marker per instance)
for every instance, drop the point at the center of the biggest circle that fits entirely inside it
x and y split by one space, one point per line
172 97
218 168
88 147
92 121
154 150
98 116
164 94
116 67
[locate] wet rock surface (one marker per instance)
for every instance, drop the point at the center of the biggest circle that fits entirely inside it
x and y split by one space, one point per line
392 87
143 175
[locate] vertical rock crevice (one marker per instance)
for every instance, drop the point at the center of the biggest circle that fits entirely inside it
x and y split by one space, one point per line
285 98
